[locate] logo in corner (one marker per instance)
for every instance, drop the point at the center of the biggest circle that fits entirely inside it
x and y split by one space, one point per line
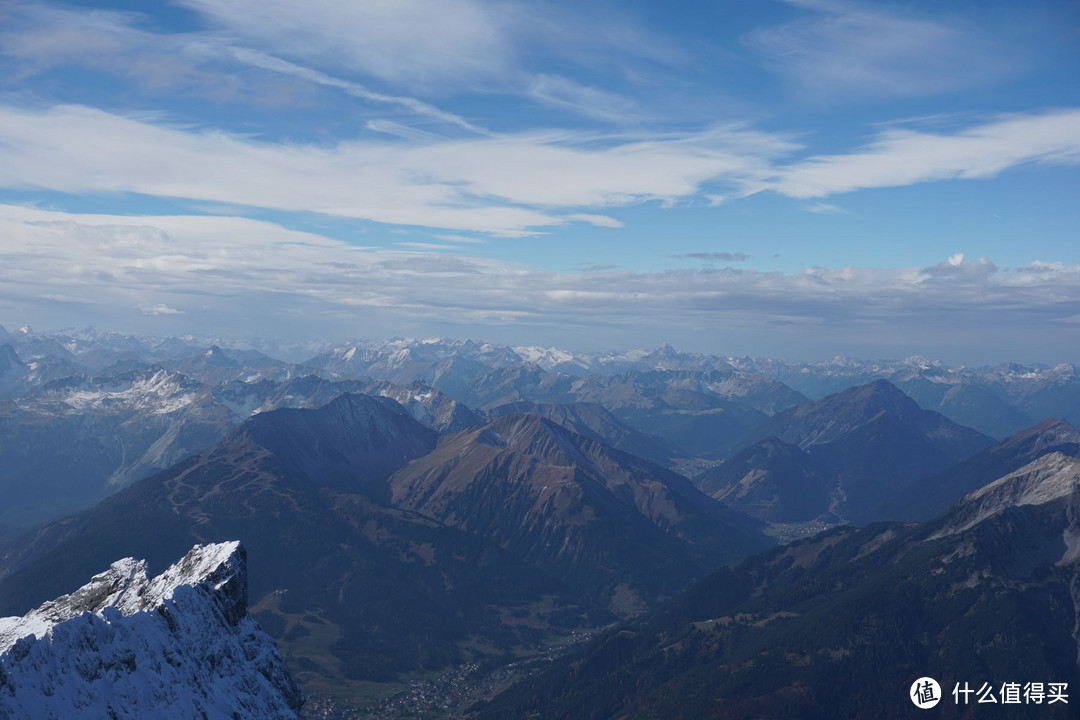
925 693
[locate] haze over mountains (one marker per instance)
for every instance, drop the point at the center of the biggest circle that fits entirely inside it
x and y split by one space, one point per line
117 408
411 507
853 446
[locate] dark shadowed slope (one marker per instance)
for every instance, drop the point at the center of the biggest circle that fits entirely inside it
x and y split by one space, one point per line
840 625
871 442
772 481
353 589
930 496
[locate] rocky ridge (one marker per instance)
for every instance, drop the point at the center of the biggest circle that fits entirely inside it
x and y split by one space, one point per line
178 645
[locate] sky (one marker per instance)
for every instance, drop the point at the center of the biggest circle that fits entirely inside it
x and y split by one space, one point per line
792 178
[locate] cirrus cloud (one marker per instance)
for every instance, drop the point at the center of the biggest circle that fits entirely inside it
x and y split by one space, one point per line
900 157
505 185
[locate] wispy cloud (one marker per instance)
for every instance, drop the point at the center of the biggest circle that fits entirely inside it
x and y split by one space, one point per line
203 64
228 268
458 239
823 208
905 157
36 39
412 43
595 220
717 256
583 100
441 47
267 62
849 50
505 185
512 184
426 246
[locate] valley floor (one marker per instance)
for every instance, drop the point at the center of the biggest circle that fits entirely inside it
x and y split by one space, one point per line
444 696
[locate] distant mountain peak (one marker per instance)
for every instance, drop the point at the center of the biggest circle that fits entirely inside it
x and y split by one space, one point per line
353 442
847 409
345 410
1050 431
873 440
879 391
216 356
537 436
594 516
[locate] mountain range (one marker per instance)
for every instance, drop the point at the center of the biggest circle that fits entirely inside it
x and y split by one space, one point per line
415 507
68 443
841 625
839 457
378 548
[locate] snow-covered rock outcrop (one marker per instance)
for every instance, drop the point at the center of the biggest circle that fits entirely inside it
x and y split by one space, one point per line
179 645
1051 477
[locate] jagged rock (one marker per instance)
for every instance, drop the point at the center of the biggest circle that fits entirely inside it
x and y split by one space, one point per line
179 645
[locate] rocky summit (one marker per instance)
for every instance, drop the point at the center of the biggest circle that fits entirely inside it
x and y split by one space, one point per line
180 645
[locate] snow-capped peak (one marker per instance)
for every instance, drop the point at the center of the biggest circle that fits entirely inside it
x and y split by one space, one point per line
179 645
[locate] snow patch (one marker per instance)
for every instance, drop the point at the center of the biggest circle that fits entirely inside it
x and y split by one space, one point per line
178 646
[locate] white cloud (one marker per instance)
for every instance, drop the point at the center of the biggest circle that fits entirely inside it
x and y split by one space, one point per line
595 220
161 309
505 185
509 185
905 157
237 272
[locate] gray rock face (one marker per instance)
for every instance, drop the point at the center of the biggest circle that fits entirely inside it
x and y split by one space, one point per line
179 645
1051 477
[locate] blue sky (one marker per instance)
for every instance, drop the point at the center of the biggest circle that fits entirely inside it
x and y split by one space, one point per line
799 178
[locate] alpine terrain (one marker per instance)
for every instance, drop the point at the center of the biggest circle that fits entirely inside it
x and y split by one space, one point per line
179 645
